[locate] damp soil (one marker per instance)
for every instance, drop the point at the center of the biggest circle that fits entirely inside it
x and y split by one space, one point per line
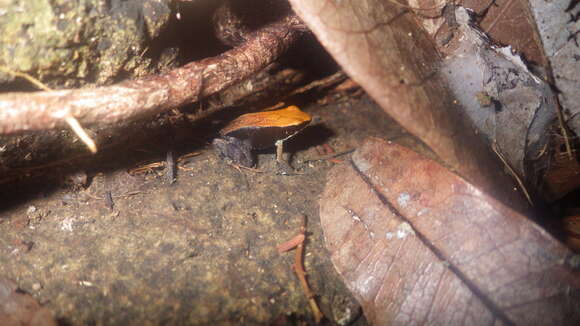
198 250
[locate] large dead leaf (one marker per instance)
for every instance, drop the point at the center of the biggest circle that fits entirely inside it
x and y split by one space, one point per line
381 47
507 22
543 33
508 104
418 244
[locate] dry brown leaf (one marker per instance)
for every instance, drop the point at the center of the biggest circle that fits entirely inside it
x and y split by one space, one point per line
510 22
418 244
382 48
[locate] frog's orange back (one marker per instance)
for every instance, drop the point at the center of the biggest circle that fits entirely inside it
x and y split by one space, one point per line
263 129
287 117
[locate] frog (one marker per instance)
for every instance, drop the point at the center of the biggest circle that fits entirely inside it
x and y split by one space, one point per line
254 131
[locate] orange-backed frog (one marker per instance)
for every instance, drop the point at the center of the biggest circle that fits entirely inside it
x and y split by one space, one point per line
260 130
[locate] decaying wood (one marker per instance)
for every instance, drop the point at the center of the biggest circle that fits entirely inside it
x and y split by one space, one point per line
132 99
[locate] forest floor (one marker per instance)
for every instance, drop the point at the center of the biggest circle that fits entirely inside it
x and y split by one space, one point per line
201 249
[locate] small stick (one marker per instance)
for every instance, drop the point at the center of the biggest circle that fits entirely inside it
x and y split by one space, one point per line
275 107
301 274
26 76
78 129
542 151
170 163
328 149
291 244
279 150
130 193
108 197
332 79
513 172
188 155
146 167
241 167
185 157
564 130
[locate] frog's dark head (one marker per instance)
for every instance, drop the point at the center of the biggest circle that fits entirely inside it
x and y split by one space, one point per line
234 149
258 131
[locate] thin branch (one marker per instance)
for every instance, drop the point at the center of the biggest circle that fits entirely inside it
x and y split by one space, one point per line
325 82
301 274
132 99
70 120
80 131
26 76
291 244
564 131
515 175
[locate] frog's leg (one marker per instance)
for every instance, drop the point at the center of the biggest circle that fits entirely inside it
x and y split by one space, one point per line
280 151
284 167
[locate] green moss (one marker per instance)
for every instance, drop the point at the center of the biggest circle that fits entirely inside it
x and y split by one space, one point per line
81 42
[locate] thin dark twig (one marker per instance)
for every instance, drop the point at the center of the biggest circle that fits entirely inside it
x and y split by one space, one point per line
325 82
171 167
